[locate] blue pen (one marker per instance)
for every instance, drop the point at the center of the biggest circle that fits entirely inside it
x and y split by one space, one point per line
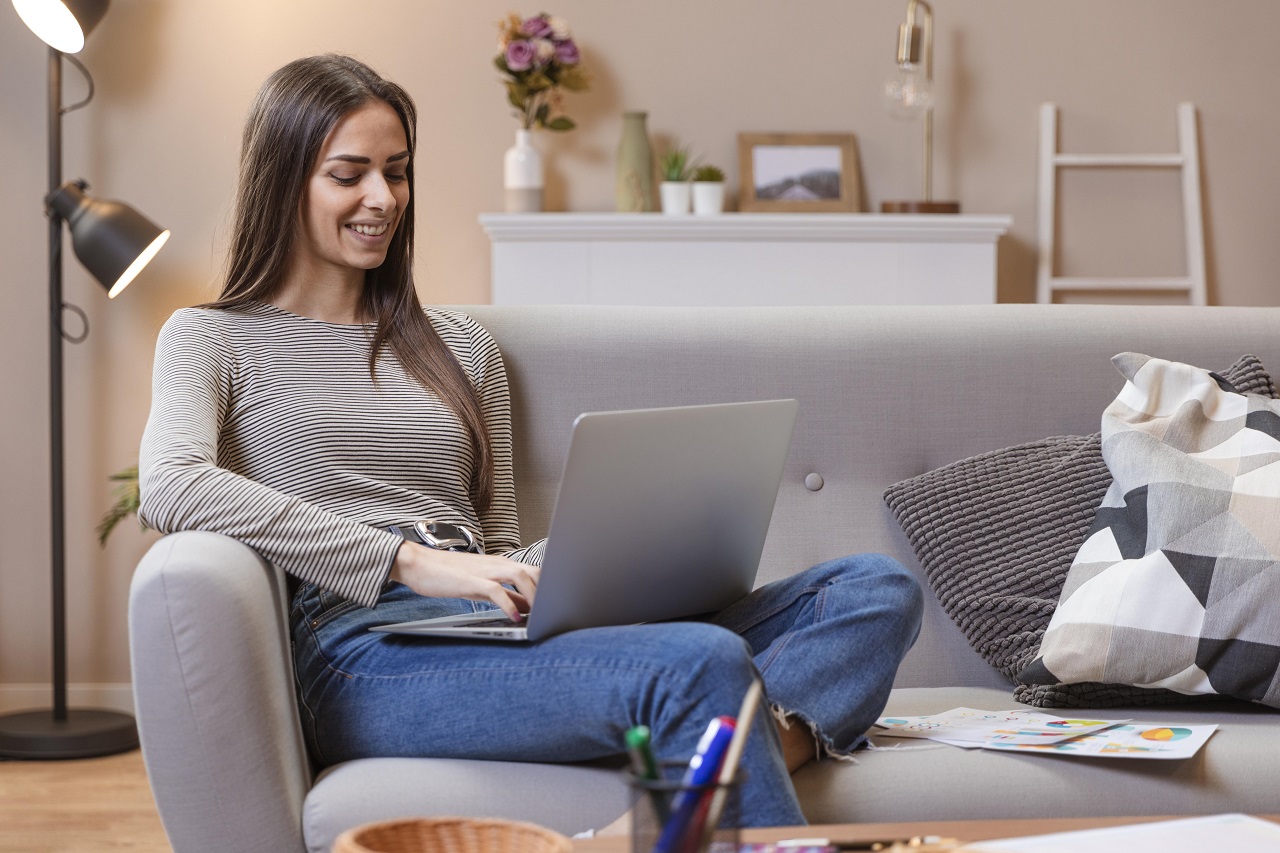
702 771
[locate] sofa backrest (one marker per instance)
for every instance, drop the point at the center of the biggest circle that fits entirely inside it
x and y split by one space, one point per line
885 393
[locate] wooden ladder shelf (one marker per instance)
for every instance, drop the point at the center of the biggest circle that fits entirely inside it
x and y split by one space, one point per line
1187 160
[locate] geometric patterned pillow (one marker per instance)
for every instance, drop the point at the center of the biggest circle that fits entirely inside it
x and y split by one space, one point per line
1177 585
995 534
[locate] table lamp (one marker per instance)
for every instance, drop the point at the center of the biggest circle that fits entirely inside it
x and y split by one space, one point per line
909 93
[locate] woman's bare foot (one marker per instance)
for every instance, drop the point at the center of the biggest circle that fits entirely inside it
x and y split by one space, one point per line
798 746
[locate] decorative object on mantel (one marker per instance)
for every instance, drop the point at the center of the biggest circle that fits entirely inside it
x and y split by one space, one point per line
798 172
708 190
635 165
522 175
909 93
537 56
676 168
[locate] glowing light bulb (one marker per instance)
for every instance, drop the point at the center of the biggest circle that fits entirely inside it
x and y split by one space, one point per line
909 92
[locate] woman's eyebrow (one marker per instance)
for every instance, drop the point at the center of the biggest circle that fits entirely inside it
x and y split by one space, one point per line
365 161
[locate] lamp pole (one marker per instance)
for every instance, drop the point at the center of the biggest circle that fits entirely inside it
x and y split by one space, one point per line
82 733
927 60
57 507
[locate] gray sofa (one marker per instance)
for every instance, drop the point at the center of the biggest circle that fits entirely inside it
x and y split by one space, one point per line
885 393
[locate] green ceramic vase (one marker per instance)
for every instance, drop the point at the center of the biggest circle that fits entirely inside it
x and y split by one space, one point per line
635 165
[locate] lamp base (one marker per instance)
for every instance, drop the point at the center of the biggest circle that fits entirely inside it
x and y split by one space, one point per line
83 734
919 207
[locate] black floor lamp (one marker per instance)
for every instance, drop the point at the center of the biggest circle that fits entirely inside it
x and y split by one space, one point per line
114 242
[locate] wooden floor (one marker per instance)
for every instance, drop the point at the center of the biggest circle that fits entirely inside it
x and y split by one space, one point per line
95 805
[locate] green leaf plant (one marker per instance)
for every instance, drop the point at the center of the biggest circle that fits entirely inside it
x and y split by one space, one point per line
708 174
676 164
126 503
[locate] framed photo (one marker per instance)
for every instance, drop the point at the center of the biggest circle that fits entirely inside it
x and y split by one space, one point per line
798 172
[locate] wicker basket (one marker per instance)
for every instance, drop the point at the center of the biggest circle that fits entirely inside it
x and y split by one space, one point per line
451 835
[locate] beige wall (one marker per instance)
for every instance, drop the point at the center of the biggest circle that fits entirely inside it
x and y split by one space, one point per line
174 79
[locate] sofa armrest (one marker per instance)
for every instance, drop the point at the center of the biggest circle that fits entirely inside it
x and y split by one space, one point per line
214 695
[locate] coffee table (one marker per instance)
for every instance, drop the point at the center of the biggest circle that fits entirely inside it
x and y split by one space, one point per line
964 830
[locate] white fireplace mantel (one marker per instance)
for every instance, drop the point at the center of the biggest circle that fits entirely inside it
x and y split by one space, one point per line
743 258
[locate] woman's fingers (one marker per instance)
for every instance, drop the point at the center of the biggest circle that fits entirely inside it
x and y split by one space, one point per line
524 578
515 602
480 577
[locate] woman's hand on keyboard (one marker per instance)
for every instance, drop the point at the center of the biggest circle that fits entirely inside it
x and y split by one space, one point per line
458 574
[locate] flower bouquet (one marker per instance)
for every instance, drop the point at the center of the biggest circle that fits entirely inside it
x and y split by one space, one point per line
537 56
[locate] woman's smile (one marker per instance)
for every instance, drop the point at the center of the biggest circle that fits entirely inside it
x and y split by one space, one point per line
355 198
371 232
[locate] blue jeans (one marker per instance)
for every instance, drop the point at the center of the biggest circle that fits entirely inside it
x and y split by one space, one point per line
827 643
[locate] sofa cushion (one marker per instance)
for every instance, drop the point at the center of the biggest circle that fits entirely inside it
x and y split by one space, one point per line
913 780
1178 582
996 534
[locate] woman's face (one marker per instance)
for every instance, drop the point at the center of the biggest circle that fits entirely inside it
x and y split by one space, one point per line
356 194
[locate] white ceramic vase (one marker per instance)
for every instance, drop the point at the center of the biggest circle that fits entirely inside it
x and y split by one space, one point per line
675 197
708 197
522 175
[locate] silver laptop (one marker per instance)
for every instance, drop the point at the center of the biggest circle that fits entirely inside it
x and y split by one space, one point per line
661 514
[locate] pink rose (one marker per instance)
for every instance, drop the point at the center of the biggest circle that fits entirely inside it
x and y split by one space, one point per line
520 54
567 53
537 27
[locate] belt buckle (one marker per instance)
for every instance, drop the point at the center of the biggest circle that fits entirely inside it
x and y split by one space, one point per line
444 536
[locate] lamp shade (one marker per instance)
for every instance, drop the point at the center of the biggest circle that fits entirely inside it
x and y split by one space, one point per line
62 24
112 240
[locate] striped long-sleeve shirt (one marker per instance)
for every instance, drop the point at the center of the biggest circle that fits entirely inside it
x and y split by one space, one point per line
267 427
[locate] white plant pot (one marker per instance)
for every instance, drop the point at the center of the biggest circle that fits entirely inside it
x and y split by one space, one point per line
522 175
675 197
708 197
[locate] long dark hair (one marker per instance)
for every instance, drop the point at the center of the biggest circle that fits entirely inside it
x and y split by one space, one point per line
288 123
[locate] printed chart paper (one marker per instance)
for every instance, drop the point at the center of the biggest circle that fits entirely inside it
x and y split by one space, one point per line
979 728
1130 740
1028 731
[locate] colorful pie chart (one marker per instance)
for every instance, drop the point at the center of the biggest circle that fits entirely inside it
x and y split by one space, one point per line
1166 734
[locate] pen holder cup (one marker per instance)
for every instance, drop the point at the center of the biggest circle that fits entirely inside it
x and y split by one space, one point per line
668 816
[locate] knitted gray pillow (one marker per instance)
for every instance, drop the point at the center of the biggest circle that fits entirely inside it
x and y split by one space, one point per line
997 532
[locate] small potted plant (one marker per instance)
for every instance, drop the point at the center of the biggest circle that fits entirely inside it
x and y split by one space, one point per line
708 190
676 168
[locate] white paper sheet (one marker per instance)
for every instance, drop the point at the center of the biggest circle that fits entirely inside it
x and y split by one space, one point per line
1225 832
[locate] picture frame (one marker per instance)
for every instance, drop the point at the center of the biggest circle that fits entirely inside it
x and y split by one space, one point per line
799 173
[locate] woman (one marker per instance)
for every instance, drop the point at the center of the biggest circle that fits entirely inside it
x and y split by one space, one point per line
315 411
